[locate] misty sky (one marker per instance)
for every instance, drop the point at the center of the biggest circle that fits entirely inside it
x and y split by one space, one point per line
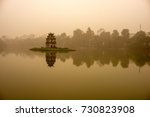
18 17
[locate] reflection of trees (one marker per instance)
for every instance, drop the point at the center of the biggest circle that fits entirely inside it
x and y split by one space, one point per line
110 56
80 58
140 57
124 62
2 45
50 58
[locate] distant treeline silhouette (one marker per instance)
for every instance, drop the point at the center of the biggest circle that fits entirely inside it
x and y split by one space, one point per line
83 40
105 39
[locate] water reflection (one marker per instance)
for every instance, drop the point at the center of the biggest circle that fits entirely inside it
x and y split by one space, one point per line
50 58
114 57
99 74
110 56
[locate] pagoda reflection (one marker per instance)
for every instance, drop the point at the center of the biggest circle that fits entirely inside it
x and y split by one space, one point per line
50 58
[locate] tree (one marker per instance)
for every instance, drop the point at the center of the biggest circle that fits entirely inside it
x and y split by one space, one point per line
105 38
77 33
115 35
139 36
89 33
63 36
100 31
140 40
105 35
125 34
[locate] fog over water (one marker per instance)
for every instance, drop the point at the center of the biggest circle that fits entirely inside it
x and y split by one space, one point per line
18 17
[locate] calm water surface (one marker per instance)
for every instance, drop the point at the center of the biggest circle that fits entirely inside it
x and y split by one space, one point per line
75 75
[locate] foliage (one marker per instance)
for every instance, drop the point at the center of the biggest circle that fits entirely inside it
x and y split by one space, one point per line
103 39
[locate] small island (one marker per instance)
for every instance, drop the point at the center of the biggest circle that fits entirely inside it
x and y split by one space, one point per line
50 45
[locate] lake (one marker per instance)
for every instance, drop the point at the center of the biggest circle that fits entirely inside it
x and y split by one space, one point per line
83 74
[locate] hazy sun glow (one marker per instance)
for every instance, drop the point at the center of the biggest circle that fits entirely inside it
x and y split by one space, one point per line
19 17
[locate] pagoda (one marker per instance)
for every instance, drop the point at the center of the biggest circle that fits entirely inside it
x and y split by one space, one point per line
50 45
50 41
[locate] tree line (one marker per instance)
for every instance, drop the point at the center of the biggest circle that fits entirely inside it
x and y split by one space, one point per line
83 40
104 39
